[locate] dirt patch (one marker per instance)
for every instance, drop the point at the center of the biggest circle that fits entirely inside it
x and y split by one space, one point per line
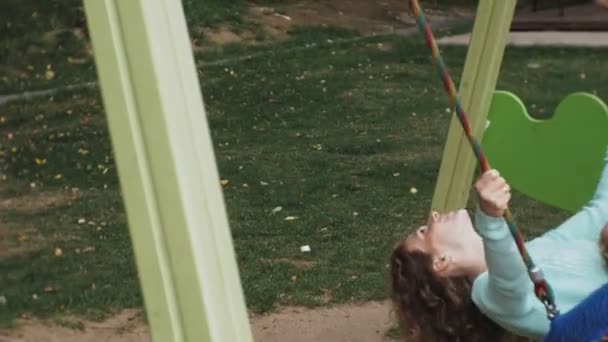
353 323
124 327
366 17
18 238
37 201
223 35
300 264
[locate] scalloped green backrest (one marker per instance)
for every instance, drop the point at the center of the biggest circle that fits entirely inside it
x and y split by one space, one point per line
556 161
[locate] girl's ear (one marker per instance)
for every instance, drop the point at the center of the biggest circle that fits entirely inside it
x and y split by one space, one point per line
441 263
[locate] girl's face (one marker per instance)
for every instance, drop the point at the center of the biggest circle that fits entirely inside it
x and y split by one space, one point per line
449 237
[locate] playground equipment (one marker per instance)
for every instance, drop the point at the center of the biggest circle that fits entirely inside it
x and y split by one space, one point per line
168 175
531 152
176 214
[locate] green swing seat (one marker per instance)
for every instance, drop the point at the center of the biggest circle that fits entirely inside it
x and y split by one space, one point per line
557 161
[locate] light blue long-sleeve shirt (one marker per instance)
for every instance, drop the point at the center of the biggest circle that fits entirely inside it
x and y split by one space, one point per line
568 255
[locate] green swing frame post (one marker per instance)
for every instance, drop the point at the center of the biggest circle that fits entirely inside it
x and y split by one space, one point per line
167 169
480 74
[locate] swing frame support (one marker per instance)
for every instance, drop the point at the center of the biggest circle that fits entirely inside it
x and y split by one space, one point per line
478 83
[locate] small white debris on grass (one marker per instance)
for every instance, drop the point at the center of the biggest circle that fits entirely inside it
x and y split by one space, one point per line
305 249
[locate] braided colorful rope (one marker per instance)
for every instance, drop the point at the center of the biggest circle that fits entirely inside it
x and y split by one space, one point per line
542 289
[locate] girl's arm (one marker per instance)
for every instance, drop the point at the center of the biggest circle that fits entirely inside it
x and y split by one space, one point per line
504 292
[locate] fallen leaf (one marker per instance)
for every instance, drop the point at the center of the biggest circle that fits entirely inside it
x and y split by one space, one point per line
73 60
49 75
276 210
58 252
291 218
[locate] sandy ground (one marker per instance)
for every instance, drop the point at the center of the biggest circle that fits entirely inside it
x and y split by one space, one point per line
362 323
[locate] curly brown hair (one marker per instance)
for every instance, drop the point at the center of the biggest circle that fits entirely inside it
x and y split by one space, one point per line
433 308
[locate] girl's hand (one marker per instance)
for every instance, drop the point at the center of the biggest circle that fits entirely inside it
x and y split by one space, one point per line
494 193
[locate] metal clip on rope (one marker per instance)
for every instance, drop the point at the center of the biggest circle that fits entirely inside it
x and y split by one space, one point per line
541 289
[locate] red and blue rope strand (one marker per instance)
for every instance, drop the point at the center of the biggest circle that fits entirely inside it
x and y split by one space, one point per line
542 289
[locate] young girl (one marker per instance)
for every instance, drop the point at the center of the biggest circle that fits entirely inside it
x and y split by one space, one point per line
448 278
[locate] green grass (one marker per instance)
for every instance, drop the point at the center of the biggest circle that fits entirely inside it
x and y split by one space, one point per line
44 44
335 135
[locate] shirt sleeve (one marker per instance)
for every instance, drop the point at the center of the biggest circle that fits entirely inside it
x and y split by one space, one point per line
505 292
507 278
589 221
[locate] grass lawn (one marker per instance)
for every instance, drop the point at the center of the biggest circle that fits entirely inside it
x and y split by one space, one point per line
334 136
43 44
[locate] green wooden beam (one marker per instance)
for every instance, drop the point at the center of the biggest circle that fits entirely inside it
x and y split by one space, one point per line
482 66
167 169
